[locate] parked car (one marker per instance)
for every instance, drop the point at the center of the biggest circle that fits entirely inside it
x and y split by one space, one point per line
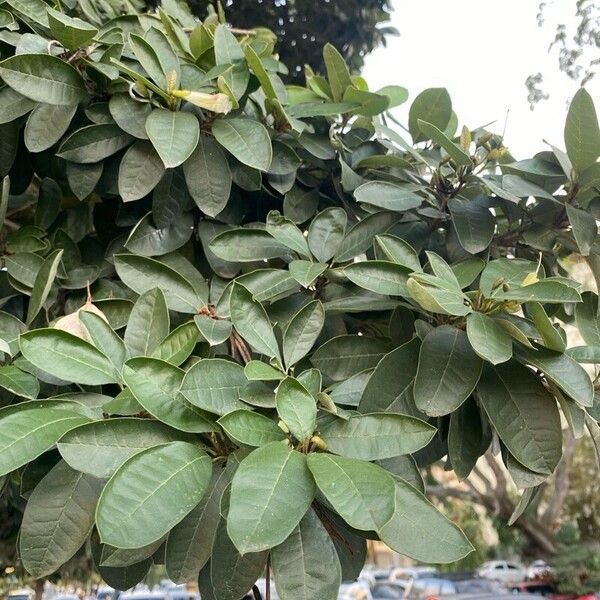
422 588
407 573
502 570
392 590
21 594
539 569
540 588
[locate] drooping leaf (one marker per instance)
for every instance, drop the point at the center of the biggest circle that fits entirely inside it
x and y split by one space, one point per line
302 332
296 408
44 78
246 139
174 135
271 491
58 518
448 371
28 429
524 415
151 492
376 436
306 564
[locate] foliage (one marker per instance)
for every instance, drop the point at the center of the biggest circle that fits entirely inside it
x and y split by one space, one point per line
243 312
352 26
576 47
577 569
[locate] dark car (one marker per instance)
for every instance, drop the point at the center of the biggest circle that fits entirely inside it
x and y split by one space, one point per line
390 590
434 587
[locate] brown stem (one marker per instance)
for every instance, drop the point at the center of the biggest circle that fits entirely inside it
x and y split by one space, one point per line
268 579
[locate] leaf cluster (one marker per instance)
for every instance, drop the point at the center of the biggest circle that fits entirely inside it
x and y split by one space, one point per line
239 316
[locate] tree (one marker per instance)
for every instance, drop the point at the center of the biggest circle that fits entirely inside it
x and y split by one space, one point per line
303 27
238 316
576 47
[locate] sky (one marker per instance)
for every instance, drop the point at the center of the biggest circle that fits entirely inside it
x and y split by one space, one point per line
482 51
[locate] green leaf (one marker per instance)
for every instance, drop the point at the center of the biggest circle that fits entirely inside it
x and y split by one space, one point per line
84 178
57 520
208 176
93 143
119 557
19 382
584 228
390 387
230 574
302 332
457 154
129 114
214 385
152 492
155 384
488 338
43 282
306 272
569 376
433 106
326 232
44 78
286 232
178 345
148 323
379 276
587 318
148 58
433 296
361 235
250 428
120 578
46 124
306 565
251 321
214 331
376 436
190 542
13 105
473 222
387 195
418 530
246 139
142 274
392 248
28 429
256 370
582 134
271 491
175 135
337 72
71 33
35 10
140 171
524 415
67 357
104 338
550 335
296 408
362 493
448 371
247 245
465 438
345 355
101 447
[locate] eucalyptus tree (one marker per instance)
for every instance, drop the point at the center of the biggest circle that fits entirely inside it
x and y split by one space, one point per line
238 317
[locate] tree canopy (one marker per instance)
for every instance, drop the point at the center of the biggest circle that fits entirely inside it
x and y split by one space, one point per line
303 27
238 317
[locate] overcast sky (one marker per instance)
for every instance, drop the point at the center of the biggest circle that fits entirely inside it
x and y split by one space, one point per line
481 51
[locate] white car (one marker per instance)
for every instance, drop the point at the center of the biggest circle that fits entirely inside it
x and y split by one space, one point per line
505 571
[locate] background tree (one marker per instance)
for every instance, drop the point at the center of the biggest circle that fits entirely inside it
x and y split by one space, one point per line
303 27
577 47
